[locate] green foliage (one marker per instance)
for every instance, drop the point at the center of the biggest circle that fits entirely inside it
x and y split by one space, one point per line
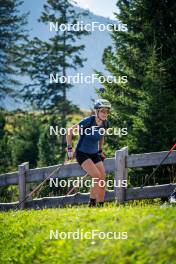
25 139
49 146
5 157
146 105
151 231
6 192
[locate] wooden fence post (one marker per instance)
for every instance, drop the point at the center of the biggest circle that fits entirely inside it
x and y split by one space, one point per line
121 174
23 170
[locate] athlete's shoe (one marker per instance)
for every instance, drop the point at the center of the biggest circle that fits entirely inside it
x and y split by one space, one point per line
172 198
92 202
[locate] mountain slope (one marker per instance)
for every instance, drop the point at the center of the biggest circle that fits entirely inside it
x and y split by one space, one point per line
95 43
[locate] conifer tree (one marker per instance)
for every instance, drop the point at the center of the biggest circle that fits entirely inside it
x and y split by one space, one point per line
12 32
57 56
146 55
49 145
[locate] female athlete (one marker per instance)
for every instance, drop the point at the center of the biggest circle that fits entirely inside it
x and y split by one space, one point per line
89 150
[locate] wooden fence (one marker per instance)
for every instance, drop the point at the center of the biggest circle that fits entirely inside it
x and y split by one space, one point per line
119 164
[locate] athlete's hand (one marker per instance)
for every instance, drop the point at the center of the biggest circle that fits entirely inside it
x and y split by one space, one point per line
102 155
70 153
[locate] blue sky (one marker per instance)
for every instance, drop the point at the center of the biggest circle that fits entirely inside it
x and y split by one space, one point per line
103 8
99 7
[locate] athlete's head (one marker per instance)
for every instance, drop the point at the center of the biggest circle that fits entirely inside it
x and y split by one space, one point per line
102 108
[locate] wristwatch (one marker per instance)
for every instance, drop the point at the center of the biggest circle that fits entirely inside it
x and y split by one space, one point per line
69 146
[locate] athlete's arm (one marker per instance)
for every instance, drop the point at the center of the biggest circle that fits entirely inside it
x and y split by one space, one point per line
69 137
70 133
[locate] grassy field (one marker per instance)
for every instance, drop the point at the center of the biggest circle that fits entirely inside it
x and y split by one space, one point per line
151 235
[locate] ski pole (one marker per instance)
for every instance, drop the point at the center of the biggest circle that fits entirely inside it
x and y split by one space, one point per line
39 186
149 176
71 190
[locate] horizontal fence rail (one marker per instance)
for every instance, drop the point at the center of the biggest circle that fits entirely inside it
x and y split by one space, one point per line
148 192
119 165
39 174
150 159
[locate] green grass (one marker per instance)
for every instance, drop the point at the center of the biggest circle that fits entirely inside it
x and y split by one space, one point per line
151 229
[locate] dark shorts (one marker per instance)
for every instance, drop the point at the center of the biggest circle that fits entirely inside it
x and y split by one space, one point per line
81 157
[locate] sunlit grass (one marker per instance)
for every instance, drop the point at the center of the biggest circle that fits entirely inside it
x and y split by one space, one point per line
151 230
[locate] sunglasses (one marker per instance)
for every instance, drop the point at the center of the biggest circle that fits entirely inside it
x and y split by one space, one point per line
104 111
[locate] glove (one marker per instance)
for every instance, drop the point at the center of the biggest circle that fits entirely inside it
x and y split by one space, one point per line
70 152
102 155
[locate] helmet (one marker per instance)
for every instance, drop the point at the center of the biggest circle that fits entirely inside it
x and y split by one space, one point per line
102 103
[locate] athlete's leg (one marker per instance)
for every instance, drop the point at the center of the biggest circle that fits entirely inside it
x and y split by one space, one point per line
101 184
93 171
